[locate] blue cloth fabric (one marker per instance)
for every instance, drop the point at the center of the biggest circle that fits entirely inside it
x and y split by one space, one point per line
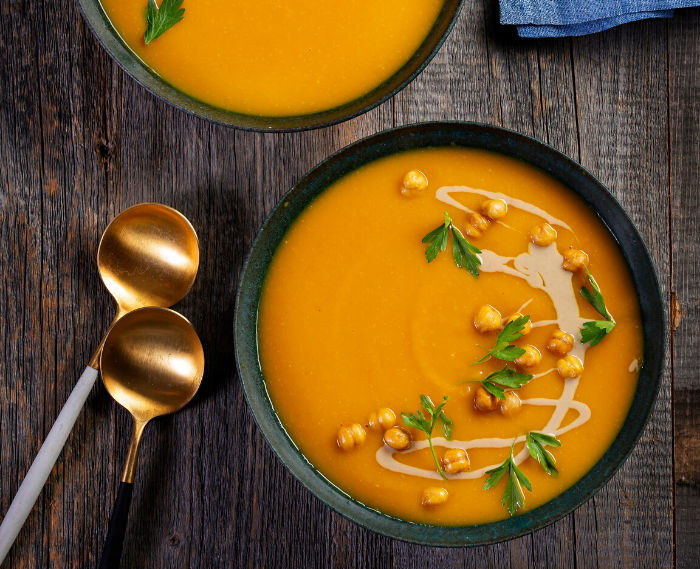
558 18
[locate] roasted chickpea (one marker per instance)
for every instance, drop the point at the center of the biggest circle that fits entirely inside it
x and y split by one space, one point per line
485 401
455 460
487 319
530 358
528 326
413 182
350 436
511 405
398 438
476 225
569 366
543 234
434 496
494 209
382 419
560 343
574 260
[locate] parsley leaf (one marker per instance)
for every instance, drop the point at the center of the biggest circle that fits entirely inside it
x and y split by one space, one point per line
513 497
160 20
595 331
419 421
496 475
437 239
595 298
506 377
503 350
463 252
536 443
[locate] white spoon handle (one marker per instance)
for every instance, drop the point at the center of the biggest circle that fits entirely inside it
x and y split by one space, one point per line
43 463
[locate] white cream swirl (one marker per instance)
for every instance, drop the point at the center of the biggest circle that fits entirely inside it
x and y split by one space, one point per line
541 268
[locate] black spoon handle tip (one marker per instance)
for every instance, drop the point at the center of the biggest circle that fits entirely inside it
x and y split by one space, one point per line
112 552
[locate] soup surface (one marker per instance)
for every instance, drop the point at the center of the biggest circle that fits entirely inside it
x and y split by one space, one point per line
272 58
353 319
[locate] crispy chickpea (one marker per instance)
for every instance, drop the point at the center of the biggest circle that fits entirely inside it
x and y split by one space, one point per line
494 209
511 405
413 182
569 366
543 234
485 401
398 438
487 319
560 343
455 460
476 225
434 496
382 419
574 260
528 325
530 358
350 436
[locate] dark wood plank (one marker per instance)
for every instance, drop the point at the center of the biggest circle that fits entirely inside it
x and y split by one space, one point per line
684 118
621 96
30 299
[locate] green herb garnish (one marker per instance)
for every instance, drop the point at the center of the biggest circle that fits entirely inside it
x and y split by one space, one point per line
463 252
595 298
419 422
503 350
437 239
595 330
536 443
513 497
160 20
506 377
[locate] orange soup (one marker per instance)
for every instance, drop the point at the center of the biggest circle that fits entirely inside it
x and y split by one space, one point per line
272 58
353 320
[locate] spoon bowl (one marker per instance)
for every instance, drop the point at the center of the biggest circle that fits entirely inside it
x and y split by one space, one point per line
148 256
152 362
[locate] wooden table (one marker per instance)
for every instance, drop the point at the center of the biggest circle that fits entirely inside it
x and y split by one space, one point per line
80 141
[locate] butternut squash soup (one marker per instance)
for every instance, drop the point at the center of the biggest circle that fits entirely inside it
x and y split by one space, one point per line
272 58
450 336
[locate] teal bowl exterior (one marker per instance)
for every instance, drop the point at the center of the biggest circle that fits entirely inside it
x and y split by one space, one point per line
466 135
115 46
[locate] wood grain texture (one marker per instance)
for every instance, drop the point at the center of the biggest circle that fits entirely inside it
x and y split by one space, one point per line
684 136
80 141
622 116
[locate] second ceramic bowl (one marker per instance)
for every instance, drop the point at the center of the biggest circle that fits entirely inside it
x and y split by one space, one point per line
110 39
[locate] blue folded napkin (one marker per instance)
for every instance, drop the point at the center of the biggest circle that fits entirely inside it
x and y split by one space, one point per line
558 18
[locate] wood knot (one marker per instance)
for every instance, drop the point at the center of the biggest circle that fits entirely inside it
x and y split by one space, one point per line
174 540
103 149
676 313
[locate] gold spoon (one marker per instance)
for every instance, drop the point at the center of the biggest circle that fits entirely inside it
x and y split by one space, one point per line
148 256
152 364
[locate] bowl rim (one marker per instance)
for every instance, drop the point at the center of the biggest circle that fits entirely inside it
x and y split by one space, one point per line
654 324
109 38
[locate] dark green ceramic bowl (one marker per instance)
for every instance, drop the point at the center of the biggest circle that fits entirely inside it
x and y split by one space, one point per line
467 135
100 25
